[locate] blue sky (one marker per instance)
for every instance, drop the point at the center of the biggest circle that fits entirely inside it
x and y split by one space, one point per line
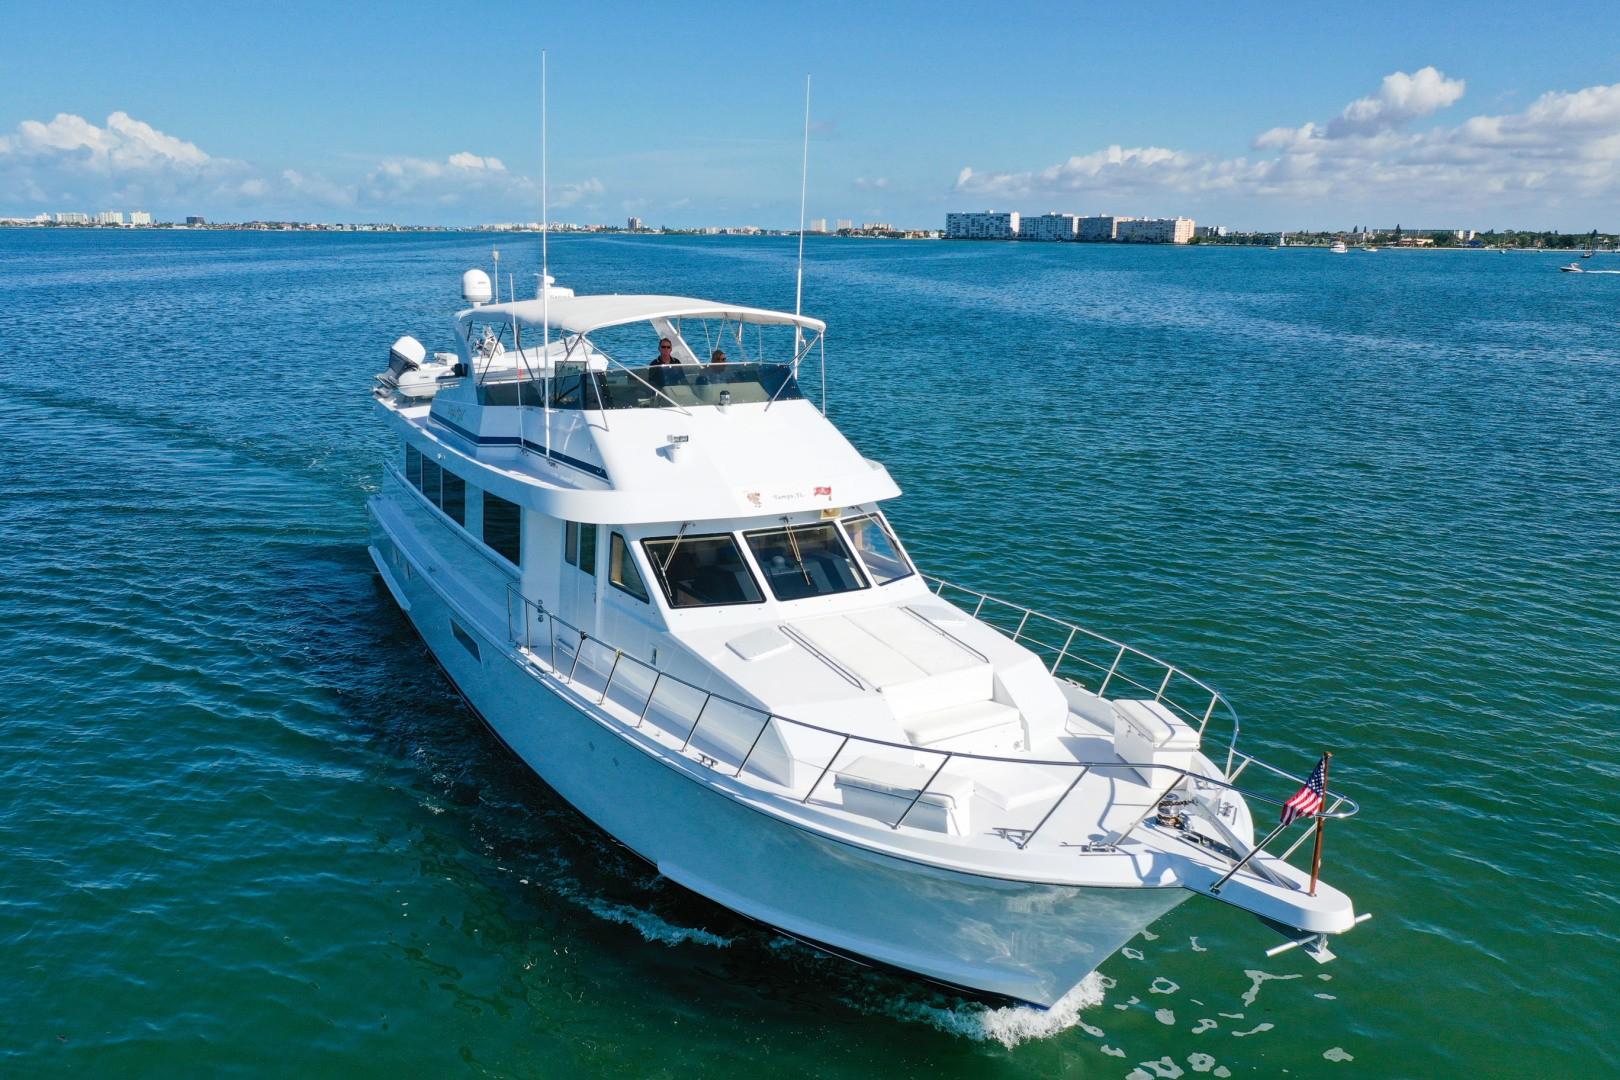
1252 115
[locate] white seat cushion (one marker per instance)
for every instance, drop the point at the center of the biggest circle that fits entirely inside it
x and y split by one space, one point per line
903 780
953 721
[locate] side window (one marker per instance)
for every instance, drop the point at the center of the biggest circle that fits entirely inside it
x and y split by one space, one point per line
622 572
430 480
587 548
571 542
454 500
876 546
503 528
413 466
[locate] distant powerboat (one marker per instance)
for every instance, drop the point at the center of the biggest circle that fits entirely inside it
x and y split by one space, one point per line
1370 250
1572 268
1339 247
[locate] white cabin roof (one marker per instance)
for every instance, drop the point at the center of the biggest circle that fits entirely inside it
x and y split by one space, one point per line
582 314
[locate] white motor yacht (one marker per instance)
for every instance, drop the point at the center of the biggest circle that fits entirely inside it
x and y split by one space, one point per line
671 590
1339 248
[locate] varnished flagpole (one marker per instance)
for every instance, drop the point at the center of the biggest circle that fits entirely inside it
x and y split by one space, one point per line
1321 823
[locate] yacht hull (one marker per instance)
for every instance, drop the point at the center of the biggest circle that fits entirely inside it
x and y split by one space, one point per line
1030 942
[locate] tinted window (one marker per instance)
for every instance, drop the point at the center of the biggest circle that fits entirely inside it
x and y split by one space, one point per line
587 548
430 480
876 546
571 542
413 465
805 560
503 528
622 572
454 497
702 571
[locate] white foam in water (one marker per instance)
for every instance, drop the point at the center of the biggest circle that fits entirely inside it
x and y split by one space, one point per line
1008 1025
1165 1017
1204 1025
1201 1063
1162 985
1257 1029
650 926
1337 1053
1258 977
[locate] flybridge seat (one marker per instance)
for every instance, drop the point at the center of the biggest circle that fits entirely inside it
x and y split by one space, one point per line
939 691
882 788
1150 733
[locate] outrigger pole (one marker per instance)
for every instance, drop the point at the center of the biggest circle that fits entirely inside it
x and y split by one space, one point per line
545 257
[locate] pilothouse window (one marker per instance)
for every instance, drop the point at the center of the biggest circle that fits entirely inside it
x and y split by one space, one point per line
701 571
876 546
804 560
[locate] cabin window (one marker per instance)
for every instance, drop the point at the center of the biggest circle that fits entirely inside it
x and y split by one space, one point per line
622 572
466 640
587 548
453 500
877 548
413 466
430 480
579 546
701 571
804 560
503 528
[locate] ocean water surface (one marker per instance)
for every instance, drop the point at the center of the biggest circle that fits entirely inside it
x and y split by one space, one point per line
246 826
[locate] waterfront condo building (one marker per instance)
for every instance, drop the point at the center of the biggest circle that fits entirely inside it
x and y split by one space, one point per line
140 217
1052 226
1177 230
72 218
110 217
1098 228
989 225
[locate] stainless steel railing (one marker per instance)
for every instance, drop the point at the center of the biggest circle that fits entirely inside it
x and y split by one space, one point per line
1075 653
561 647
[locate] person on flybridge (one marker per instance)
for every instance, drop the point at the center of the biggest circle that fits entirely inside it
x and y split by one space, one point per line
665 356
717 358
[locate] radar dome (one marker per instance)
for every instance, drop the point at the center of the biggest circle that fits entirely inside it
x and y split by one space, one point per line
475 287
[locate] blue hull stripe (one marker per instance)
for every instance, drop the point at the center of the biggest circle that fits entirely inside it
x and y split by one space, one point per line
517 440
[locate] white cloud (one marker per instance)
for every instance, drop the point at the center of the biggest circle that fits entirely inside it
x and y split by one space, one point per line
1402 97
876 183
124 144
464 160
585 193
1563 149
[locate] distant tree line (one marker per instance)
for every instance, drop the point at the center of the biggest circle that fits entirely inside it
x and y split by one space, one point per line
1513 238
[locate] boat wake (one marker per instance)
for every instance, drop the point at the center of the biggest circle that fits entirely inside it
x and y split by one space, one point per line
1008 1025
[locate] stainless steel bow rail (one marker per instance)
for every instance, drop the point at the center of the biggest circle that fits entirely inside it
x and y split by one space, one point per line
668 711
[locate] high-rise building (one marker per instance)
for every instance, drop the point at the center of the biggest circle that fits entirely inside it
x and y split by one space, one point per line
140 217
634 224
989 225
1053 226
110 217
73 218
818 225
195 220
845 223
1177 230
1098 228
1210 232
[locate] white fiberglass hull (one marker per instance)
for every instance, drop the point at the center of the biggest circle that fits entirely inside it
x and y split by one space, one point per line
1025 941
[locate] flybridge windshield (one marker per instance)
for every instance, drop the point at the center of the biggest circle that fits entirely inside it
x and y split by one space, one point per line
663 386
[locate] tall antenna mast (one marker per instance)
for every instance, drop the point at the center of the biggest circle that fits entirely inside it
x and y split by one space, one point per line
804 187
545 255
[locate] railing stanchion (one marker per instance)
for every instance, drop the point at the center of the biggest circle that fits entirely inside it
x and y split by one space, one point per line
551 628
1241 863
707 697
1153 804
579 650
1020 631
657 675
1209 712
617 654
980 605
1103 689
915 799
1168 671
826 770
760 735
1081 775
1073 630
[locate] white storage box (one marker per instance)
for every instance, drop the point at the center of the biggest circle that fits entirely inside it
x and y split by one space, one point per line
1150 733
881 788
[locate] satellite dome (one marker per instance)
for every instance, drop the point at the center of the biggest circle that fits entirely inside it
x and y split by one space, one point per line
475 287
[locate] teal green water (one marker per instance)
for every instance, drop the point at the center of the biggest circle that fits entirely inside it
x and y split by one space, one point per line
246 827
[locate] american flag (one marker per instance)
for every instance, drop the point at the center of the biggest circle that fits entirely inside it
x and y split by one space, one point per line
1307 801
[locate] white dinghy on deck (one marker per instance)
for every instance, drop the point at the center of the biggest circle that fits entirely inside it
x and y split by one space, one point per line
671 589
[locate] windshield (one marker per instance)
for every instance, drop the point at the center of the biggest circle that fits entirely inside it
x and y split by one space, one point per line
876 546
573 387
804 560
701 571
